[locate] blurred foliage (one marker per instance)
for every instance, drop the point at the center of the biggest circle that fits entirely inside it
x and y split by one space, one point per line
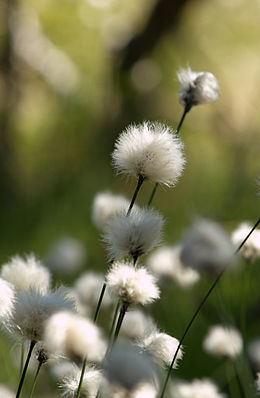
65 98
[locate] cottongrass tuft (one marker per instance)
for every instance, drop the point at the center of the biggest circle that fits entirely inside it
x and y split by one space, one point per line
136 325
107 205
197 88
88 288
135 234
257 382
127 367
27 274
150 151
253 354
203 388
6 392
165 262
7 295
90 386
161 347
32 309
223 342
251 249
206 247
74 336
132 285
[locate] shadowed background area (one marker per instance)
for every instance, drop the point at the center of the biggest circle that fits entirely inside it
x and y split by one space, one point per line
74 73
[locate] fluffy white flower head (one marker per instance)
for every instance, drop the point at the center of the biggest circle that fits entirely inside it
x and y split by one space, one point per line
6 298
149 150
67 256
91 382
253 354
136 324
5 392
251 249
135 234
204 388
107 205
165 262
162 347
74 336
223 342
132 285
197 88
32 309
28 274
206 247
257 382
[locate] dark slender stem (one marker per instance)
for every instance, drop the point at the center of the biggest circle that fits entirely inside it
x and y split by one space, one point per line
35 379
32 344
100 301
22 358
137 189
152 194
81 377
119 322
198 310
177 131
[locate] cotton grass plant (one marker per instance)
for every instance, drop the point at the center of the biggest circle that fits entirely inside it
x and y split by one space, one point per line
62 327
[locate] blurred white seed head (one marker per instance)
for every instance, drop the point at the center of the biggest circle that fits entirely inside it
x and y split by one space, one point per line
74 336
32 309
67 255
206 247
165 262
161 347
27 274
132 285
135 234
223 342
197 87
136 324
251 249
6 392
149 150
90 386
203 388
7 295
127 367
107 205
253 354
88 287
257 382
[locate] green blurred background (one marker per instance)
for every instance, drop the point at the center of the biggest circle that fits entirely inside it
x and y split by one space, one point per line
74 73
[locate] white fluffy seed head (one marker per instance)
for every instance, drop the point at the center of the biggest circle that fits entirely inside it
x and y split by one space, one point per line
149 150
88 287
161 347
257 382
107 205
74 336
223 342
126 367
7 295
251 249
90 385
253 354
67 256
165 262
197 87
132 285
206 247
204 388
135 234
32 309
27 274
136 325
5 392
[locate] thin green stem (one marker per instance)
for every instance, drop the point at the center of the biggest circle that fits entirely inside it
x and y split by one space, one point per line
152 194
35 379
32 344
198 310
100 301
119 322
22 359
111 332
177 131
81 377
232 387
137 189
239 382
245 291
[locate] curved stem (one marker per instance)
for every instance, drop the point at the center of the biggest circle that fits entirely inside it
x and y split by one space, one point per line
137 189
35 379
186 110
32 344
100 301
81 377
119 322
199 308
22 358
